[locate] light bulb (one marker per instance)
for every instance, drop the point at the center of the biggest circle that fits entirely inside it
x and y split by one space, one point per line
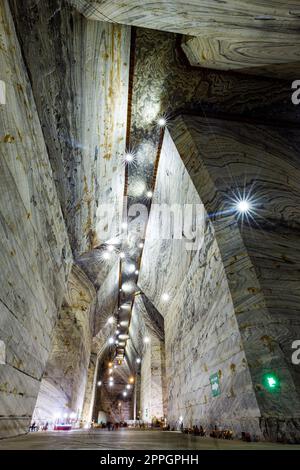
131 268
129 157
165 297
161 122
243 206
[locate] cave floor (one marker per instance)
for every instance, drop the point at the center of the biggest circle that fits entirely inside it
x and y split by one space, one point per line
127 439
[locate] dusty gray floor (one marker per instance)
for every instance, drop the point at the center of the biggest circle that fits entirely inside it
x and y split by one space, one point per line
128 439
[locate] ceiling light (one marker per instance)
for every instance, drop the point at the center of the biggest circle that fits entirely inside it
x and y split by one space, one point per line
129 157
125 306
141 245
131 268
111 384
111 340
138 360
128 386
127 287
124 394
122 255
136 271
243 206
110 320
123 337
146 339
162 122
165 297
106 255
149 194
117 332
131 379
99 383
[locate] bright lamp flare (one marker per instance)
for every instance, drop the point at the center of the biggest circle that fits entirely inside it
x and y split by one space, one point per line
165 297
162 122
243 206
106 256
129 157
127 287
131 268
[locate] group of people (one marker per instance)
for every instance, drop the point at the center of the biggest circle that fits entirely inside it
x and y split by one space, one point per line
215 433
195 430
35 427
221 434
111 426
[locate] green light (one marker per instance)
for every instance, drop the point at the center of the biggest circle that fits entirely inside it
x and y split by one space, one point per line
271 382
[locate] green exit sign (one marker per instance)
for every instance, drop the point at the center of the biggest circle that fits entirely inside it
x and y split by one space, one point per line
215 385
